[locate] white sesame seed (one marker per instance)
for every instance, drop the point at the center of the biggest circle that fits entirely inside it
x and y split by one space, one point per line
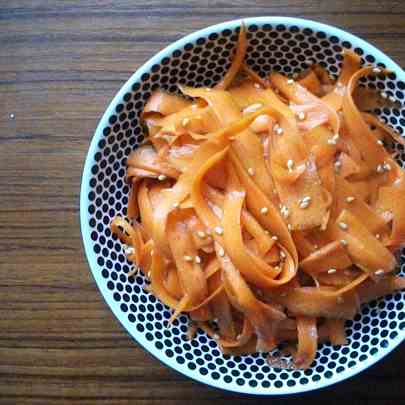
387 167
218 230
377 235
216 336
176 205
257 86
149 274
306 198
295 75
185 122
252 108
282 254
188 258
380 142
335 137
290 164
289 227
208 89
251 171
274 237
266 232
152 252
197 259
384 94
201 234
264 210
379 272
343 226
301 116
129 250
331 141
304 204
290 81
392 99
350 199
331 271
343 242
238 337
380 169
377 70
162 177
279 130
221 252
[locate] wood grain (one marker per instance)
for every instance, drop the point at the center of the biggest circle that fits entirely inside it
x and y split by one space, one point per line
60 64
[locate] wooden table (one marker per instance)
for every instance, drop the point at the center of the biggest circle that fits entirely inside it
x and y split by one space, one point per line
60 65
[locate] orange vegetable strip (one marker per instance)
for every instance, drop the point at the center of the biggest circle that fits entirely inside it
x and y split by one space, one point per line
311 82
331 256
371 290
165 103
307 342
337 334
236 62
364 248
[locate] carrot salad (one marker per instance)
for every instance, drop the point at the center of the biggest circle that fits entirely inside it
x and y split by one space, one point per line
268 209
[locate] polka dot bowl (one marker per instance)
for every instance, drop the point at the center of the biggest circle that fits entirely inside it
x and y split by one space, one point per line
200 59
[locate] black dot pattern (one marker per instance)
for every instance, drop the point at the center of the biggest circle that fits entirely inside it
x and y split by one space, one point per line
288 49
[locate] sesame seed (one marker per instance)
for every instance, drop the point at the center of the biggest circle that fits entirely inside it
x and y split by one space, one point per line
149 274
331 141
251 171
285 212
335 137
274 237
290 81
384 94
129 250
304 204
377 235
162 177
208 89
185 122
187 258
343 226
307 198
257 86
279 130
343 242
377 70
201 234
152 252
176 205
379 272
331 271
295 75
221 252
252 108
350 199
380 169
338 165
264 210
392 99
380 142
387 167
266 232
218 230
216 336
290 164
301 116
197 259
289 227
282 254
238 337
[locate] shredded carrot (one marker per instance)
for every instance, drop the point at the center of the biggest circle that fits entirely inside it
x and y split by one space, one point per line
268 209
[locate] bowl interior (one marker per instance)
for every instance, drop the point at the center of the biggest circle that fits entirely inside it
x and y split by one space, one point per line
201 59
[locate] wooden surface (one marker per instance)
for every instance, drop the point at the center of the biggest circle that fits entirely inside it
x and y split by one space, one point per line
60 64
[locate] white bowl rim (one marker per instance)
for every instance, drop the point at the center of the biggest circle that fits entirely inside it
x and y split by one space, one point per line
84 190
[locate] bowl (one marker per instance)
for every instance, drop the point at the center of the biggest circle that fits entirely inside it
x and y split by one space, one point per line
201 59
